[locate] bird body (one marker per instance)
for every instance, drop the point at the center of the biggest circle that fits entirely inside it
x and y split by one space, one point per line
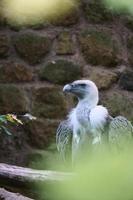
88 121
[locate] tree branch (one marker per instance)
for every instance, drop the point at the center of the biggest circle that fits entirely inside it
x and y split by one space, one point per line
25 175
5 195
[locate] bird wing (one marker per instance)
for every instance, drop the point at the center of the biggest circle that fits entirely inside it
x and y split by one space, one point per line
120 132
64 139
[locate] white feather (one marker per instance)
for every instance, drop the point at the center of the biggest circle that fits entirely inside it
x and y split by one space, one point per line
96 140
75 124
98 116
72 117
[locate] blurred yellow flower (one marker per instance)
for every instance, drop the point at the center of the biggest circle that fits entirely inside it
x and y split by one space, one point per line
13 118
34 11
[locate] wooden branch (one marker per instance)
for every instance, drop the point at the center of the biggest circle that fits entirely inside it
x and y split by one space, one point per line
5 195
27 175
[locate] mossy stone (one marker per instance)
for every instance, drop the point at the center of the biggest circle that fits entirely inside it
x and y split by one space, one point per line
130 50
12 72
128 21
43 130
119 104
68 19
130 43
96 11
60 71
31 46
126 80
48 102
103 78
12 99
99 48
2 21
4 45
64 45
14 148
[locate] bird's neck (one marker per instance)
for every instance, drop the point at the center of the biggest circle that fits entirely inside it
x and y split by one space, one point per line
90 103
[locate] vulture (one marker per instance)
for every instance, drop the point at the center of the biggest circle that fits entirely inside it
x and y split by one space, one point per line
89 124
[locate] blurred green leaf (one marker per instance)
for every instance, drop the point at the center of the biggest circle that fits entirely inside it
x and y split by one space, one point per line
8 119
6 130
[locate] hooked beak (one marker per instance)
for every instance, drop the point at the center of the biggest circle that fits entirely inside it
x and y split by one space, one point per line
67 88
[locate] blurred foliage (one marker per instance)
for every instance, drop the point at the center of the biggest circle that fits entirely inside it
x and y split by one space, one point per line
5 120
125 6
34 12
100 175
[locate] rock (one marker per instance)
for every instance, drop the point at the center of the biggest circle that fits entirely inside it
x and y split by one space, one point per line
68 19
60 71
4 45
103 78
15 72
126 80
98 48
2 20
31 46
49 102
33 25
12 100
65 44
97 12
41 132
130 50
118 103
14 148
128 21
2 17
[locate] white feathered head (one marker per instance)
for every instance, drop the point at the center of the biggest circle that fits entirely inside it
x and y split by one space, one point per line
83 89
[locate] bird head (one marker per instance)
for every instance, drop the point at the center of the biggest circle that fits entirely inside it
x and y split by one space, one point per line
83 89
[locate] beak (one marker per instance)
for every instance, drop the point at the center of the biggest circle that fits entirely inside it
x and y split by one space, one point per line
67 88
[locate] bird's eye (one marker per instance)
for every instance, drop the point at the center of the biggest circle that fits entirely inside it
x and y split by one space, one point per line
82 84
72 85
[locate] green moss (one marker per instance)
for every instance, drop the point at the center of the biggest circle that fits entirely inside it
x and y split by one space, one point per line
31 46
66 19
119 104
126 80
2 21
60 71
4 45
103 78
14 72
12 100
128 21
130 43
64 44
130 50
98 47
97 12
49 103
43 130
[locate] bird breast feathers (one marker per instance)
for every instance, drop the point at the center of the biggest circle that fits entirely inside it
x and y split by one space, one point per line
98 117
73 119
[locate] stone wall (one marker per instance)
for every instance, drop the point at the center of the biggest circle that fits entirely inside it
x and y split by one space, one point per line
36 61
